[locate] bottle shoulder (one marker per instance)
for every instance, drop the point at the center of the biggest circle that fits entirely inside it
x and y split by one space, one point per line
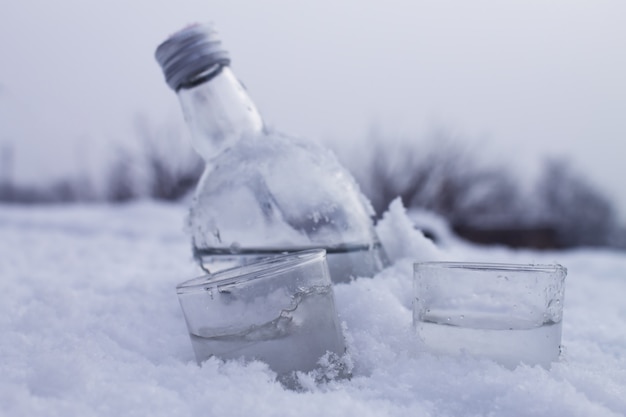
285 163
295 172
280 188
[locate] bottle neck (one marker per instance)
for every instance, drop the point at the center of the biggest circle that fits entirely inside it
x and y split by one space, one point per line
219 112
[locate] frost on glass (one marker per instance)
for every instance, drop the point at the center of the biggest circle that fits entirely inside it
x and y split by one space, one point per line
506 312
271 193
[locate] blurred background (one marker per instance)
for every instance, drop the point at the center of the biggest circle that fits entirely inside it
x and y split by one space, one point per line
503 119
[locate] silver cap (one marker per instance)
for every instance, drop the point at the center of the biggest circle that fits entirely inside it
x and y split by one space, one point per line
190 52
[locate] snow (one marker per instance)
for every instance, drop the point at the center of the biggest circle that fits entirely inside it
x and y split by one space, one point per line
90 325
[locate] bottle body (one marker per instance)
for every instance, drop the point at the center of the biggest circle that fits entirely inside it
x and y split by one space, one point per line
270 194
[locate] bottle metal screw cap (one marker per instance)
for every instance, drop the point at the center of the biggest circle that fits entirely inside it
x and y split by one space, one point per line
190 52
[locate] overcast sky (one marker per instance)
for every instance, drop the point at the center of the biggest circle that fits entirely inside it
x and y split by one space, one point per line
521 79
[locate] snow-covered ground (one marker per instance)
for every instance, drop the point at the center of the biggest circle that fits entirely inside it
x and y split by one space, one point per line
90 325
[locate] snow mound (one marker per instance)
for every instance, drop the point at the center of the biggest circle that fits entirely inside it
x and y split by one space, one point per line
91 325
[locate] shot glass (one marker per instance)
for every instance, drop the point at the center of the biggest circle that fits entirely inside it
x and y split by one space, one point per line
508 313
279 310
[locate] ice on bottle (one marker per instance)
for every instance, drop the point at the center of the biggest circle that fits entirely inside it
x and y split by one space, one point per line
262 192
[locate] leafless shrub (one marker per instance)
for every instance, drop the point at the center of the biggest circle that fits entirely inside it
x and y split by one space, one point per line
486 203
121 179
172 167
157 163
439 174
59 191
442 176
580 213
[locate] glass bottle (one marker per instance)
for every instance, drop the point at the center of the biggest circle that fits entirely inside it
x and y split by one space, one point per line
262 192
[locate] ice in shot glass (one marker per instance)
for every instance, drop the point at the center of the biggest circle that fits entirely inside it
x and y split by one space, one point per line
279 310
509 313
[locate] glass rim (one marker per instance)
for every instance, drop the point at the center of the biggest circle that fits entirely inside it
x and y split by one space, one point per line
491 266
253 271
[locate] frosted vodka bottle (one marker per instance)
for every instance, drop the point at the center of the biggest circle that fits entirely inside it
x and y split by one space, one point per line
262 192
